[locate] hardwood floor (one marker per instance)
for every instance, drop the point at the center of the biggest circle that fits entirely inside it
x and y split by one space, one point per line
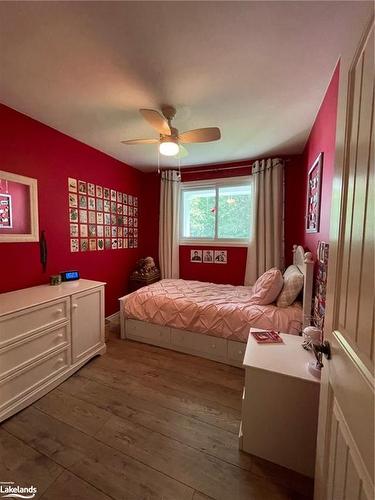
140 423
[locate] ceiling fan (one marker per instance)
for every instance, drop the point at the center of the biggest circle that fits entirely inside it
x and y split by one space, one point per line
170 140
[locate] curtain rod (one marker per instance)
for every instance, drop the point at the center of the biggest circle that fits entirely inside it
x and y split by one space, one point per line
218 169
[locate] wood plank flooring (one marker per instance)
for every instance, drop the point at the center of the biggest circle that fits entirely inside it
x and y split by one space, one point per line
140 423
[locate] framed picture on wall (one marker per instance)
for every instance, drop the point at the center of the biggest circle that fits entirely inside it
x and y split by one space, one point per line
19 208
221 257
208 256
314 188
196 256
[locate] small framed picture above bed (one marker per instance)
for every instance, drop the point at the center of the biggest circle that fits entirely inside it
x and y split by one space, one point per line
208 256
314 185
221 257
196 256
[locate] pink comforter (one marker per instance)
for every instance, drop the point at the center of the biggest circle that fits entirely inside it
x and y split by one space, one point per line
219 310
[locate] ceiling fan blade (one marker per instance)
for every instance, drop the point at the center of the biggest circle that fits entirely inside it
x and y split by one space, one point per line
140 141
208 134
156 120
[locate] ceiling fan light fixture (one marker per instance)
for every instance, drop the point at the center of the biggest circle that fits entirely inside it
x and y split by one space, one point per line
169 147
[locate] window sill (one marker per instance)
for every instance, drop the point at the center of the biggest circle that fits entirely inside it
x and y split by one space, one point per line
214 243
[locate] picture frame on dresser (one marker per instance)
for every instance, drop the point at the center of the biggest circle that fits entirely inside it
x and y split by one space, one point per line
18 208
313 200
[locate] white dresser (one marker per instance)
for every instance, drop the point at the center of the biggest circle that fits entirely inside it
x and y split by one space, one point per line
46 334
280 404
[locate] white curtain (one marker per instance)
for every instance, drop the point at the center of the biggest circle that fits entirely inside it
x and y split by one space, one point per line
169 224
266 248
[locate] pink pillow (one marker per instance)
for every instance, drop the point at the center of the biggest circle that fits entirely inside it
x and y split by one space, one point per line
267 287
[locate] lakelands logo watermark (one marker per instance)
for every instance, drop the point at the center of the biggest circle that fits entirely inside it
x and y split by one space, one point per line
12 490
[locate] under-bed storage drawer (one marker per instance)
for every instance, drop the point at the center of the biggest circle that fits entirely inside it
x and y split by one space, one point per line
155 334
236 350
21 324
208 344
26 351
17 385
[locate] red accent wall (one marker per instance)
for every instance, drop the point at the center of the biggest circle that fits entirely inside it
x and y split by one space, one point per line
149 234
30 148
322 138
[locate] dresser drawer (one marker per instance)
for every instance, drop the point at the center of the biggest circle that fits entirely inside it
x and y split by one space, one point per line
17 385
18 325
236 350
199 342
19 354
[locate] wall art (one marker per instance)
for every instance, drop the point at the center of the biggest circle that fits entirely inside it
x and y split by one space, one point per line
97 219
314 186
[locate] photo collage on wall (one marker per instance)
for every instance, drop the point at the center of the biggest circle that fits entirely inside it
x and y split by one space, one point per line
320 288
209 256
101 218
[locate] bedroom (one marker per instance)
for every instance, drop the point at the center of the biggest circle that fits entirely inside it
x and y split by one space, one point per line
152 408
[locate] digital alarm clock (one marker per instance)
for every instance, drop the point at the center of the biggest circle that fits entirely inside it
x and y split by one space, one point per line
69 275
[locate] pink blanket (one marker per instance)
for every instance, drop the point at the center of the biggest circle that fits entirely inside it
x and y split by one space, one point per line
219 310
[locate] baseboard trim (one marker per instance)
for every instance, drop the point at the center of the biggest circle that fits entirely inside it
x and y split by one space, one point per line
114 317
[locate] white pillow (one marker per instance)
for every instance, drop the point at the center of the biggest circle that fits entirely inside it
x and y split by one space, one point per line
293 284
267 287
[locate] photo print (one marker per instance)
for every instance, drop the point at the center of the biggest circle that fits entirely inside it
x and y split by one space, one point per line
72 185
220 257
196 256
208 256
82 187
90 189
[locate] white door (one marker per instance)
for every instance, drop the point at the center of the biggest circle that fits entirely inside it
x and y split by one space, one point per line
345 453
87 322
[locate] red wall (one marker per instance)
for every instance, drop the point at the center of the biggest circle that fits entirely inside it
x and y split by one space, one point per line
322 139
35 150
149 234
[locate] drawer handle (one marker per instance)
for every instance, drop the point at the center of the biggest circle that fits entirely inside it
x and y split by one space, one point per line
240 351
59 311
213 346
60 360
75 306
60 335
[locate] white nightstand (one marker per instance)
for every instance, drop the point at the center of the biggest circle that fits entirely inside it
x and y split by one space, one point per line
280 404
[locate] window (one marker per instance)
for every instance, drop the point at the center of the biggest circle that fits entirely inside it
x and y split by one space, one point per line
217 210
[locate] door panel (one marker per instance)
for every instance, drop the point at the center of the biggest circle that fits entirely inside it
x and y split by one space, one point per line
348 477
358 246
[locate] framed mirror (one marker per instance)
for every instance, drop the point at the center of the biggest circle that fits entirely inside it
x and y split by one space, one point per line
18 208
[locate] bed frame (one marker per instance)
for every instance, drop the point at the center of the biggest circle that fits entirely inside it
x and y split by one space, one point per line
208 346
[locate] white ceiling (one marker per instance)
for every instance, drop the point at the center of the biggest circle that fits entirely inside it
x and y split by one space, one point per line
258 70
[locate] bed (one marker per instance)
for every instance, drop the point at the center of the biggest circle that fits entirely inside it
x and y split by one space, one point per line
207 319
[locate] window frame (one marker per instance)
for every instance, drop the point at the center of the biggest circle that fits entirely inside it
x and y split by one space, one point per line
212 184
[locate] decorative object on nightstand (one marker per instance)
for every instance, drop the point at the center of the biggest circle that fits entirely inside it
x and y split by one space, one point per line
144 274
312 337
280 404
